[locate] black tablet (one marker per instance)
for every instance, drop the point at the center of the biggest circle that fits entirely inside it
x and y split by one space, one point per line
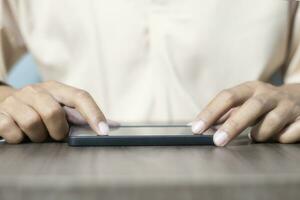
139 135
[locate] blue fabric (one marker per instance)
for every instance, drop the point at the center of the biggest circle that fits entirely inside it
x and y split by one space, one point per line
24 73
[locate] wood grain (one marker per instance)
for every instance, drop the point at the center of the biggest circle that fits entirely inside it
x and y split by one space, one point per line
240 171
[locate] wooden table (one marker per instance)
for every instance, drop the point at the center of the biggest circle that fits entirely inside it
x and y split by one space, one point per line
239 171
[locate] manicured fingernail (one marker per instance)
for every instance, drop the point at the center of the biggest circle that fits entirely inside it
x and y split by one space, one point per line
103 128
189 124
250 136
198 126
113 124
221 138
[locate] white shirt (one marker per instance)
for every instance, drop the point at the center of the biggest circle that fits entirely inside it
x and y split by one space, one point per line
152 60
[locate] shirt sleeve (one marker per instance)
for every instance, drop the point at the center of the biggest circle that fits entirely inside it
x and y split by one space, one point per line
292 74
11 42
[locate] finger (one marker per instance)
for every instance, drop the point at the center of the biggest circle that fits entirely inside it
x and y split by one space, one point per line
9 130
291 134
221 104
274 122
26 118
245 116
81 101
231 112
113 124
75 117
50 111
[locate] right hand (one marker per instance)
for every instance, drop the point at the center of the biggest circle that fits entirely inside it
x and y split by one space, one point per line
44 109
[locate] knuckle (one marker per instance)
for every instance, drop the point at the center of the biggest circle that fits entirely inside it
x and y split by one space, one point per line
82 94
30 122
274 118
282 94
289 104
255 83
262 87
228 96
250 82
43 97
11 136
51 82
53 112
259 84
206 114
258 101
232 125
5 122
31 89
9 100
14 138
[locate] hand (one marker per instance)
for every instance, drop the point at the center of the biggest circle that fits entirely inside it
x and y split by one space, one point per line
273 111
44 109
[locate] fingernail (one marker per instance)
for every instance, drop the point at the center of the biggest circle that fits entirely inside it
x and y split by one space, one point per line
198 126
189 124
113 124
103 128
220 138
250 136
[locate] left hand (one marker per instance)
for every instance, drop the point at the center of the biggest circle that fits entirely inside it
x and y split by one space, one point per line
273 111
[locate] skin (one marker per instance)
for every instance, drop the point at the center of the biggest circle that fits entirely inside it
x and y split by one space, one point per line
44 110
273 112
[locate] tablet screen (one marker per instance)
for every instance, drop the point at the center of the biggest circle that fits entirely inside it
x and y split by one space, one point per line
140 130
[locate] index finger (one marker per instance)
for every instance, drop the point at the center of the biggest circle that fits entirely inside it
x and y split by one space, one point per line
220 105
81 101
251 110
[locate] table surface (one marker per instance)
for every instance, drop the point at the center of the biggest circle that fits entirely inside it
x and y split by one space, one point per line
240 170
